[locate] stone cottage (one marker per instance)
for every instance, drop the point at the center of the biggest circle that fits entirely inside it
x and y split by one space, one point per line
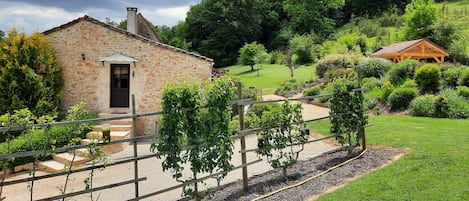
104 66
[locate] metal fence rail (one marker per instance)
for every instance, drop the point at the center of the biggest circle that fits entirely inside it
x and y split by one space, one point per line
241 134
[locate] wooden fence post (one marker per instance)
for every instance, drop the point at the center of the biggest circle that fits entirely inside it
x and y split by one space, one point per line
134 127
243 139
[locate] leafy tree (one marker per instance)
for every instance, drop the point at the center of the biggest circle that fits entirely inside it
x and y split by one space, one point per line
346 114
30 76
251 54
282 136
310 16
420 16
371 8
301 46
190 134
2 34
219 28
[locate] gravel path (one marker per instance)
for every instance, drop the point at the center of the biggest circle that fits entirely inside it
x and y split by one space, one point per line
273 180
151 169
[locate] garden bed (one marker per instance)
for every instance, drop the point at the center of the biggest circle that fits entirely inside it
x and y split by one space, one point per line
265 183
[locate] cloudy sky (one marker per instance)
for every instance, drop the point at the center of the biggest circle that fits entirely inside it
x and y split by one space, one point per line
29 15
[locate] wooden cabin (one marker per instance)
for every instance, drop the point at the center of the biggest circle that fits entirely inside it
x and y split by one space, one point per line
415 49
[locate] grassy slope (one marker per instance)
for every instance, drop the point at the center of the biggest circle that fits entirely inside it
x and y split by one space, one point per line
270 75
437 168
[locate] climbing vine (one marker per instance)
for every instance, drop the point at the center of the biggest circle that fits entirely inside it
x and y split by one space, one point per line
282 136
194 133
346 113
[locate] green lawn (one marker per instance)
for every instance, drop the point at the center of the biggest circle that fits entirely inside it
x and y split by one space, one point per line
436 168
270 75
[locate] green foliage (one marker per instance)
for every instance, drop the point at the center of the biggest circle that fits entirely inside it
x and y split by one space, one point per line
400 98
277 57
340 73
327 90
313 91
371 83
423 106
346 113
458 106
43 138
386 89
29 75
335 61
249 54
287 86
441 107
374 67
463 91
402 71
464 80
259 109
310 16
211 25
428 78
282 136
451 76
302 45
420 16
204 132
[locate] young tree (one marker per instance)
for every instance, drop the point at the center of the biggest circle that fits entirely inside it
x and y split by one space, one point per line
251 52
420 16
29 74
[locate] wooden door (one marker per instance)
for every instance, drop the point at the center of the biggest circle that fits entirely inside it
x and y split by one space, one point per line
120 85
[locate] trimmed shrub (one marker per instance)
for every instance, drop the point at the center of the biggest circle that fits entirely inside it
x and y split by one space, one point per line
464 80
458 106
335 61
400 98
345 73
370 100
373 67
277 57
313 91
260 108
371 83
451 76
290 85
463 91
386 89
402 71
423 106
428 78
441 107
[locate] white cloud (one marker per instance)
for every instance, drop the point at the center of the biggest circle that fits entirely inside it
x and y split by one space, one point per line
27 17
167 16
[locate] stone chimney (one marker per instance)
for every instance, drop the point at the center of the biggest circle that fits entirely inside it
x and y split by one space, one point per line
132 20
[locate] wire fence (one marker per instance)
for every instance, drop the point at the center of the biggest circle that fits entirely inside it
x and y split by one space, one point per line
133 161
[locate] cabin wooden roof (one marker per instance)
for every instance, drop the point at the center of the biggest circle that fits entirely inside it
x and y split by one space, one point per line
414 49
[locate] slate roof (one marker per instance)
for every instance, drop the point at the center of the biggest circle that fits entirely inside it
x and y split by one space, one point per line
119 30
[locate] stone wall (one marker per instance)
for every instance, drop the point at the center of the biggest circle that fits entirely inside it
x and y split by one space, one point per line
88 79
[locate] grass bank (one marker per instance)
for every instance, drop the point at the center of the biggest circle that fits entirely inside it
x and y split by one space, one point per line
436 168
269 76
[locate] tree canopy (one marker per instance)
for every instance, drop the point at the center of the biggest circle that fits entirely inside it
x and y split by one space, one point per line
29 74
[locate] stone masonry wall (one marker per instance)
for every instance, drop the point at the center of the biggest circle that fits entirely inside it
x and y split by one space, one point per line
88 80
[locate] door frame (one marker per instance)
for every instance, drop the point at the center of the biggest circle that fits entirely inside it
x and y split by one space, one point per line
126 103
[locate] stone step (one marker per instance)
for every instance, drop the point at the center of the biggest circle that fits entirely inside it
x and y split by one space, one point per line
89 141
119 135
66 158
52 166
84 152
114 148
114 127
